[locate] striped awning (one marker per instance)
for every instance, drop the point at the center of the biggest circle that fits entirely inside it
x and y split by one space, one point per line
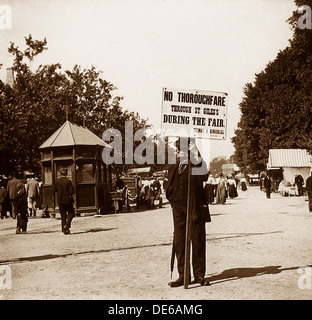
289 158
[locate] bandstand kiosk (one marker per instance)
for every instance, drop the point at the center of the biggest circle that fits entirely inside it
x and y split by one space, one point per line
79 150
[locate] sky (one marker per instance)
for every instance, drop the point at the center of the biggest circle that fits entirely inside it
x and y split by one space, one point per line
142 46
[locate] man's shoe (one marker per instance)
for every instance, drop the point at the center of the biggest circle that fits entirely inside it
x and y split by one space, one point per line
202 281
177 283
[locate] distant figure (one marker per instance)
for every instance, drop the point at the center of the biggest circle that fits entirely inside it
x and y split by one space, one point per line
209 189
120 186
165 184
232 187
12 193
221 190
216 183
299 184
21 208
267 185
32 189
243 184
65 191
309 191
3 197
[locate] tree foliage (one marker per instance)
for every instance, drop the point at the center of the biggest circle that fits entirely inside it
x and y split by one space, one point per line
276 111
215 166
37 105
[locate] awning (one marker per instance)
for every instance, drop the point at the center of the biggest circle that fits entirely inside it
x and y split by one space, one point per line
139 170
279 158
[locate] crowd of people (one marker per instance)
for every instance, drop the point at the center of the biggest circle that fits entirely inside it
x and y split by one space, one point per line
220 187
150 190
283 187
147 190
20 197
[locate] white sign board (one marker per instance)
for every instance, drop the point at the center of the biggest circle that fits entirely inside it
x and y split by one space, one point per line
194 113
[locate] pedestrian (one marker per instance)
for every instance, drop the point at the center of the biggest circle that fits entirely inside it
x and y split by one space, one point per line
299 184
3 197
232 187
21 208
267 183
12 193
65 191
209 189
120 187
221 190
177 194
216 183
39 202
32 188
309 191
243 184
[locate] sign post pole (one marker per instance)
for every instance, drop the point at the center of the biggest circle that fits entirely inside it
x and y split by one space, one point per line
188 231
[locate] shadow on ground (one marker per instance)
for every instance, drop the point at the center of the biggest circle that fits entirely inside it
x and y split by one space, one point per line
240 273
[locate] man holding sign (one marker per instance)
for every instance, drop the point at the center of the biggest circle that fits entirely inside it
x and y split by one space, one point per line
185 193
191 114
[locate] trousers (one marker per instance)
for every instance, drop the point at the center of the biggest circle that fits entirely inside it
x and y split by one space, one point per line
67 213
198 243
22 220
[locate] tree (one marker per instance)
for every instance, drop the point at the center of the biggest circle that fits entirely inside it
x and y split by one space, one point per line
38 103
215 166
277 109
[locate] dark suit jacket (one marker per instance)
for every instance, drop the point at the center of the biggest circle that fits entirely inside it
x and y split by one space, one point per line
65 190
309 184
197 192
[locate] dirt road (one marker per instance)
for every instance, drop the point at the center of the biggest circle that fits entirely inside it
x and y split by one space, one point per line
256 249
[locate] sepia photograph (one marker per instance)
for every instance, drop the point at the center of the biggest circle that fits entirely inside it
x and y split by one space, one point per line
156 151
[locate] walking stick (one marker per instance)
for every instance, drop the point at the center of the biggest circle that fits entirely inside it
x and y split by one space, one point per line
172 256
188 232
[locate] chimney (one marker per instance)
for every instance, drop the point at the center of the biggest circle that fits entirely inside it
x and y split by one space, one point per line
10 77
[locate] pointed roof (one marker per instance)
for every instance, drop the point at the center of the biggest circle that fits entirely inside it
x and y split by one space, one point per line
70 134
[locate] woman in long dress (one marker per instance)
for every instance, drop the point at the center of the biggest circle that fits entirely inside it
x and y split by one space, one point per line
243 184
209 189
232 187
221 191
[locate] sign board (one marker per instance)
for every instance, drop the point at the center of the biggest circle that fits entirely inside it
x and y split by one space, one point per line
194 113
